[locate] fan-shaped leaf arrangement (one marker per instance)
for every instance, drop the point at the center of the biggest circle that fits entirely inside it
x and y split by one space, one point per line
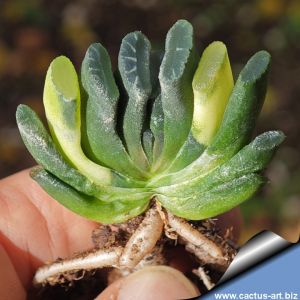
163 129
164 125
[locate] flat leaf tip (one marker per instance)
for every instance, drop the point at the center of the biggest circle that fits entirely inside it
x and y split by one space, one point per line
213 59
94 49
181 32
24 114
269 139
179 52
134 62
21 108
256 67
63 76
182 23
96 44
219 43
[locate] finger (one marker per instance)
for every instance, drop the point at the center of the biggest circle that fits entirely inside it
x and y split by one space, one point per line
112 291
160 283
35 228
10 285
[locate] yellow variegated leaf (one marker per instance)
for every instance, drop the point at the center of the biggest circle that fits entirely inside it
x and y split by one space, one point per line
62 107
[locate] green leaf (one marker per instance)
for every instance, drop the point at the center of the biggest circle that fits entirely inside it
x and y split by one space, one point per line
237 125
199 206
244 106
157 127
62 107
134 67
101 113
148 140
189 152
175 76
212 86
251 159
89 207
44 151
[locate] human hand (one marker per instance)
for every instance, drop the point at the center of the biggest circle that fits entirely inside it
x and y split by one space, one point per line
34 229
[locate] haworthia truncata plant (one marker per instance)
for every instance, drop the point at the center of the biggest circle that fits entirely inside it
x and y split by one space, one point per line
173 126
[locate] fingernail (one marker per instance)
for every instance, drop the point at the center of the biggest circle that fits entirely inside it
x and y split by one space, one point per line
157 282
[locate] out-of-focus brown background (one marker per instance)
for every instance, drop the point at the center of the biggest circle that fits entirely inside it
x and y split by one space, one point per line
33 32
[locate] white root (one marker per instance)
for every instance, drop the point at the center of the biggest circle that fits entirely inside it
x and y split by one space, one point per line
155 258
97 259
197 243
190 234
168 230
200 272
140 250
143 240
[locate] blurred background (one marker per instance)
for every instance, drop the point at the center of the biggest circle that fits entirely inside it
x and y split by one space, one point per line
33 32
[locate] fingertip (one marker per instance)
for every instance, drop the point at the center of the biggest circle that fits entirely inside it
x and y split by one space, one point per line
157 282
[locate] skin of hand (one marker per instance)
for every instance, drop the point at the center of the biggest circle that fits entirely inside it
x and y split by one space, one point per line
35 229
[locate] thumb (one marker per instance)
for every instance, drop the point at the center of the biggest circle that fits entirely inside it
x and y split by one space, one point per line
10 284
159 283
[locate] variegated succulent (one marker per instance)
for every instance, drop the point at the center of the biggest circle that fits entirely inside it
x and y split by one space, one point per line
164 125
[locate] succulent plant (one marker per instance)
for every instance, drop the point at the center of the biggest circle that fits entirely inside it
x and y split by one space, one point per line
164 126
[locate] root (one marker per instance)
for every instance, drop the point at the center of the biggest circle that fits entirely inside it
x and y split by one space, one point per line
200 272
140 242
207 251
96 259
143 239
168 230
155 258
